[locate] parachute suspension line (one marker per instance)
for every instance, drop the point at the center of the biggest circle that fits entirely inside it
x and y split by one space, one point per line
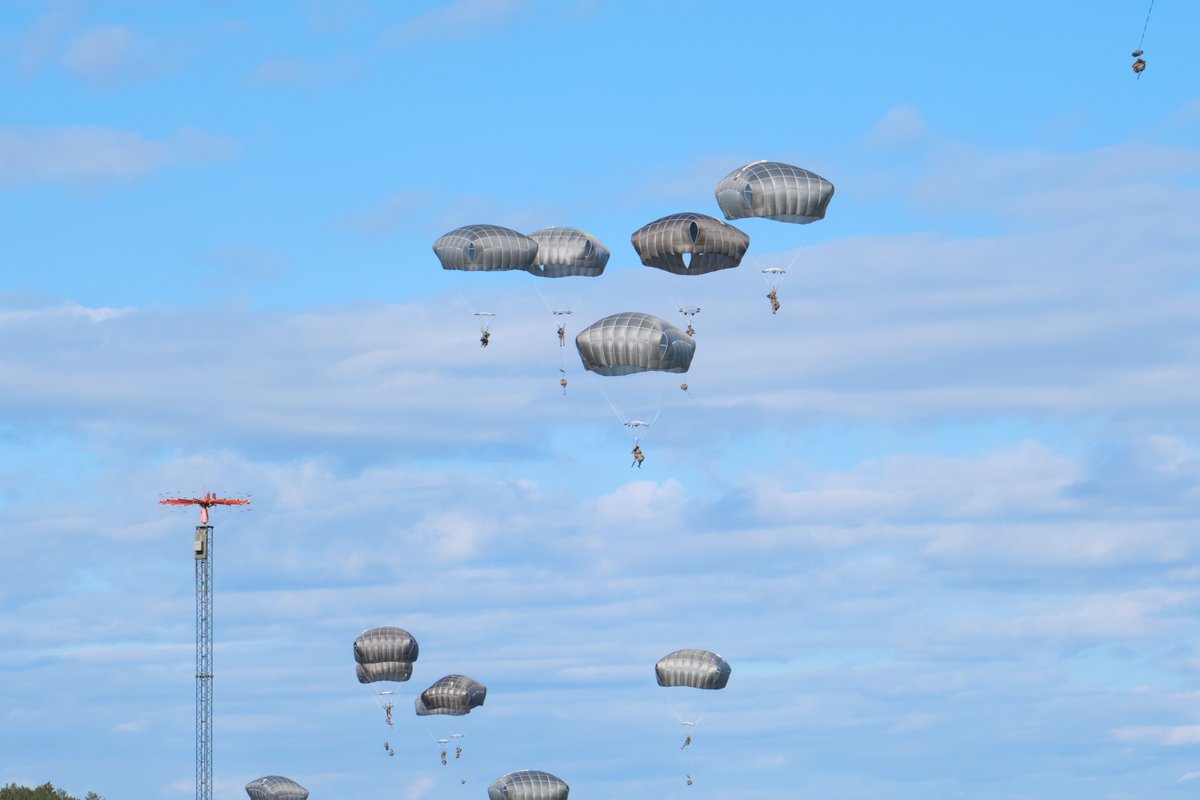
485 317
545 302
1145 25
631 424
1139 65
616 411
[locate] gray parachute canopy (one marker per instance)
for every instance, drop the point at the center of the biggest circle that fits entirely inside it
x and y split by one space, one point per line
568 252
629 342
528 784
690 244
275 787
454 695
384 654
699 669
485 248
774 190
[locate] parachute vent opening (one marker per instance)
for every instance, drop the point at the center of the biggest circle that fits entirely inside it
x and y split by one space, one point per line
693 231
471 251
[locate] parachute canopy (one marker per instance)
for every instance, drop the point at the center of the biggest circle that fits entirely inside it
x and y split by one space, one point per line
528 784
275 787
384 654
776 191
699 669
690 244
478 248
568 252
629 342
454 695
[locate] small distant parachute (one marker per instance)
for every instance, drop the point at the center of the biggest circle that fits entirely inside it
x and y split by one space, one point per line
699 669
567 252
384 654
485 248
455 695
631 342
774 190
275 787
690 244
528 784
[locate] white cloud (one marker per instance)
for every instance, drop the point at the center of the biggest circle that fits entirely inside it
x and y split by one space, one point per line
1169 736
281 72
462 19
110 54
419 788
233 263
901 125
93 157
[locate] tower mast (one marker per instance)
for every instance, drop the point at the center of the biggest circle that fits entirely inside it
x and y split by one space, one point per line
202 549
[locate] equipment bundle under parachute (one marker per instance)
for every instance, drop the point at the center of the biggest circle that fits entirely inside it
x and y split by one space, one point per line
528 784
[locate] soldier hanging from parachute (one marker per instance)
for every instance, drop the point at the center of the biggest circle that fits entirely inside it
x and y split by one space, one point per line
384 656
777 191
633 344
485 248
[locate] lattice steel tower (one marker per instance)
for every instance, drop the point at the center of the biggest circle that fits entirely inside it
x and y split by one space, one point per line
203 548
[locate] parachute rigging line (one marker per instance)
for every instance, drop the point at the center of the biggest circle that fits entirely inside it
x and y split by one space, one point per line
1145 25
624 420
1142 39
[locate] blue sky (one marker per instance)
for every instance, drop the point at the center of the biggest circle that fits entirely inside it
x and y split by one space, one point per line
939 513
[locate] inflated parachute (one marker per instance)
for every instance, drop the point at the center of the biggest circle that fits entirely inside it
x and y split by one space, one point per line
690 244
699 669
454 695
485 248
275 787
631 342
566 253
384 654
528 784
774 190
